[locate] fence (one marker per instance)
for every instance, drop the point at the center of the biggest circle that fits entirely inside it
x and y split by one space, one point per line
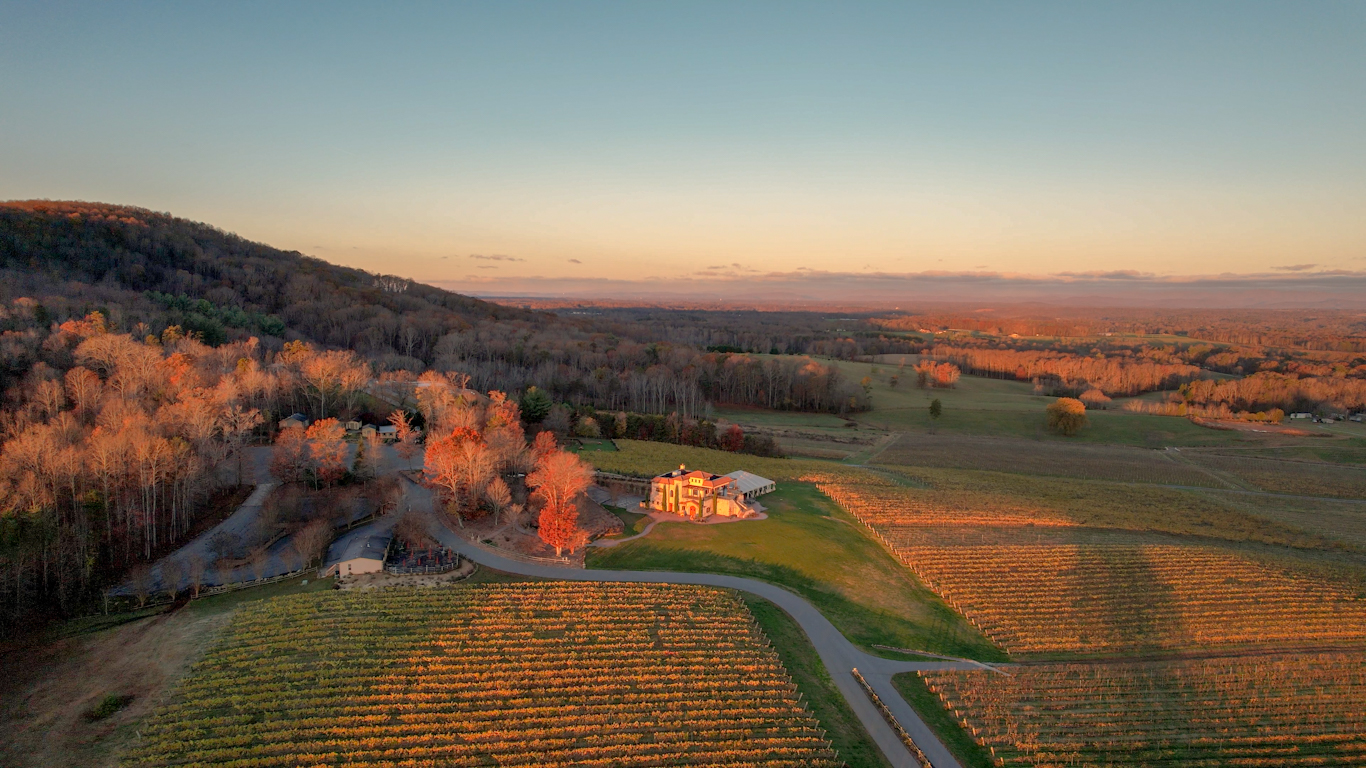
445 562
562 562
887 715
204 591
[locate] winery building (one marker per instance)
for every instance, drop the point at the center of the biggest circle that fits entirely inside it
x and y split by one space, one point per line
698 495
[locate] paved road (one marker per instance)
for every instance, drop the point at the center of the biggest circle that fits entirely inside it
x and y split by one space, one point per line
839 655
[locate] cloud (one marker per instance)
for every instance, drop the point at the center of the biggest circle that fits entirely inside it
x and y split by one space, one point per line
575 261
1296 267
807 287
494 257
488 267
1115 274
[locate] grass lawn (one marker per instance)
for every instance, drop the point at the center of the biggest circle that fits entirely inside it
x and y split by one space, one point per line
842 726
960 743
230 600
811 546
635 522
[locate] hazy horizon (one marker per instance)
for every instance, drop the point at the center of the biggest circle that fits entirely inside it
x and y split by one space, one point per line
880 150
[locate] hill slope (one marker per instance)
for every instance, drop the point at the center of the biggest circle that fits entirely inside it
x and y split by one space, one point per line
157 269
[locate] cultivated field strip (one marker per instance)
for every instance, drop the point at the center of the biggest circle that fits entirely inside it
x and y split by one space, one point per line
1035 457
1306 478
508 675
1272 711
1039 586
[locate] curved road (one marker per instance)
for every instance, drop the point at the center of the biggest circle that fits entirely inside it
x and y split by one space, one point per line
839 655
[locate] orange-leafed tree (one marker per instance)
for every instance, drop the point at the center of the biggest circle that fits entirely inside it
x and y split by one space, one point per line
458 466
327 450
559 478
733 439
289 459
405 436
1066 415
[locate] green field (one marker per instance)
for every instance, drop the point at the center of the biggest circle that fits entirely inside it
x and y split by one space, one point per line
983 406
931 710
811 546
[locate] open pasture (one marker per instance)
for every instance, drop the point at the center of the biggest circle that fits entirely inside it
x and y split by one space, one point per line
496 674
1036 457
1261 711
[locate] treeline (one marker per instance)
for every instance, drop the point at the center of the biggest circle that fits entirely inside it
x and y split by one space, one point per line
1267 391
1063 374
614 374
1290 329
671 428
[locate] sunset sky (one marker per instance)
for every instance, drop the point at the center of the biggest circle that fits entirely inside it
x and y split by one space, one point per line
518 147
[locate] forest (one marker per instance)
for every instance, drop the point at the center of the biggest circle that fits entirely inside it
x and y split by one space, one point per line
147 271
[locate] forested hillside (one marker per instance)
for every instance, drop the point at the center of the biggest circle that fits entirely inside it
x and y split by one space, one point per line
140 354
146 271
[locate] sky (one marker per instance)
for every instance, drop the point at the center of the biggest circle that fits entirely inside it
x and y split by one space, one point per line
543 148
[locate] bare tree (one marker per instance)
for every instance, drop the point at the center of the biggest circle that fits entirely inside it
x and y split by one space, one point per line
172 573
259 559
140 581
195 570
312 540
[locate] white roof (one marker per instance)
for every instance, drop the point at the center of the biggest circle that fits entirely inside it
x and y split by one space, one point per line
748 481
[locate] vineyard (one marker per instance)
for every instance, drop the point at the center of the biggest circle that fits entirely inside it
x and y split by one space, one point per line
515 674
1034 457
1308 478
1271 711
1041 585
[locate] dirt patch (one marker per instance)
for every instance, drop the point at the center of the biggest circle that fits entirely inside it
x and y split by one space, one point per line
46 690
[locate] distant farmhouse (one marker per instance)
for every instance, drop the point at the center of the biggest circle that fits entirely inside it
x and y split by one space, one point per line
698 495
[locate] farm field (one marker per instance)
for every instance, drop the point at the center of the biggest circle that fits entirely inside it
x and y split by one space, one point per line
1038 582
1281 475
1341 522
496 674
817 550
1034 457
961 496
1257 711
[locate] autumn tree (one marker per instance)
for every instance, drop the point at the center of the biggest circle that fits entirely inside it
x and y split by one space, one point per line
405 436
733 439
558 480
290 459
327 450
458 465
1067 415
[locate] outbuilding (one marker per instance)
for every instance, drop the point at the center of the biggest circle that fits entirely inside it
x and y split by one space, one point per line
751 485
358 554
